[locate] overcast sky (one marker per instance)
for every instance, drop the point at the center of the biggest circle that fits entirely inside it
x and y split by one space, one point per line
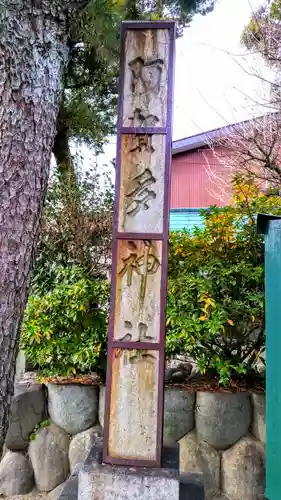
211 80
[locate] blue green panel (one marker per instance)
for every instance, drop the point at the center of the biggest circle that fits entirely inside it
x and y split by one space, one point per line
273 358
185 218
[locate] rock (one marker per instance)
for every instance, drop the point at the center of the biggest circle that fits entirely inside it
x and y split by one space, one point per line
210 463
73 407
186 367
243 470
195 372
222 418
180 372
28 380
220 496
260 368
178 413
20 365
4 451
81 445
179 376
101 405
27 410
55 494
49 457
258 424
188 454
16 474
168 375
192 486
179 359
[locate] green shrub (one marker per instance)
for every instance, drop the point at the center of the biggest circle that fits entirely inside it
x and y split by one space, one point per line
64 331
215 306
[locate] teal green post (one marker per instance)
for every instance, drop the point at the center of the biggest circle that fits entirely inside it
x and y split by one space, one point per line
270 226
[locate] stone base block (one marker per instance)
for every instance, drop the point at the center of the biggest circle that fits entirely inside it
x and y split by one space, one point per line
105 482
97 481
192 486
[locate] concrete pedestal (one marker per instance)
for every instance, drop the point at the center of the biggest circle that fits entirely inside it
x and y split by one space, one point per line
97 481
105 482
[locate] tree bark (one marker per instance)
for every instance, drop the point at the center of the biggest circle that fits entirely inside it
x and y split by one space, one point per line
33 54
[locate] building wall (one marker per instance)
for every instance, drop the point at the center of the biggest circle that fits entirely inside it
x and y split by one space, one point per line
187 218
200 178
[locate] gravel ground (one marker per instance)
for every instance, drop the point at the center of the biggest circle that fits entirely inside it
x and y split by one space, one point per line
30 496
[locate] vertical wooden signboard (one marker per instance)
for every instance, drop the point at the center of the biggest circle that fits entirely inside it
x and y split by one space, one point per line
135 370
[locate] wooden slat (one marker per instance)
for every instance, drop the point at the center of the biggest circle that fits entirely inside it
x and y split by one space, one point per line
137 300
150 96
142 178
133 412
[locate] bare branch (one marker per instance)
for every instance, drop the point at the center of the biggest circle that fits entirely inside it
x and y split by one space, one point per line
253 147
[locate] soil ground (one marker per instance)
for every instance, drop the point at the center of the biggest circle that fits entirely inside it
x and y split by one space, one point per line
252 384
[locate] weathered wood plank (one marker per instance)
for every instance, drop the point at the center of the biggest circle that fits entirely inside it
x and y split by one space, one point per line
135 376
133 411
138 290
146 78
142 179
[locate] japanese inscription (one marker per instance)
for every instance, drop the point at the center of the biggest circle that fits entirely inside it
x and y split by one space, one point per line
143 265
140 194
132 356
134 404
137 308
146 75
142 183
146 79
135 383
143 337
142 143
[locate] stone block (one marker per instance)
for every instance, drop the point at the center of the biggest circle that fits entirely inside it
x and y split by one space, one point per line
188 454
258 424
27 410
192 486
101 405
104 482
27 381
20 365
220 496
74 408
49 457
209 461
56 493
177 372
81 445
222 418
243 470
70 490
178 413
4 451
16 474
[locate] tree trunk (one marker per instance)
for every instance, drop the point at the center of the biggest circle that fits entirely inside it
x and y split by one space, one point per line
61 148
65 163
33 53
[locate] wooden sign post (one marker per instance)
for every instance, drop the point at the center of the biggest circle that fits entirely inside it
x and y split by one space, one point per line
136 339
